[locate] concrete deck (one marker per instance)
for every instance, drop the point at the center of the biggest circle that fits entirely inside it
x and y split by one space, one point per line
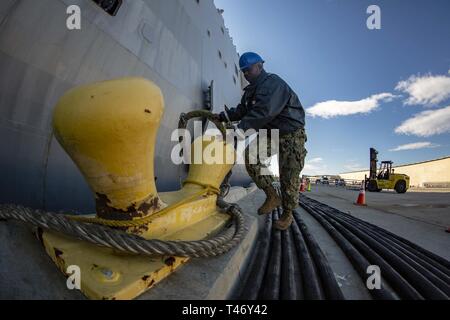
27 273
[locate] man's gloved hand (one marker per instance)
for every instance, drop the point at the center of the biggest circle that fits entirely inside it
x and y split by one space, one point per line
219 117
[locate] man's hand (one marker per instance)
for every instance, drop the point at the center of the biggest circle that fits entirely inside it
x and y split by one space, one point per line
220 117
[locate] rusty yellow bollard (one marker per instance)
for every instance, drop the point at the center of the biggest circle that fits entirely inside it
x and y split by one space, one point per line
109 129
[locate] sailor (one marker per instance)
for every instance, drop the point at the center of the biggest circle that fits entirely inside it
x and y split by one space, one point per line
269 103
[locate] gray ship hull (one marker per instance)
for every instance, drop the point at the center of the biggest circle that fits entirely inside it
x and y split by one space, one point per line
180 45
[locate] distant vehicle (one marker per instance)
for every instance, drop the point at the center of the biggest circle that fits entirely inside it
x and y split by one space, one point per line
385 177
325 180
339 182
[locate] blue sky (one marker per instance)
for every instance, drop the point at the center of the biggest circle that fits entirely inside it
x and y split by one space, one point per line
387 88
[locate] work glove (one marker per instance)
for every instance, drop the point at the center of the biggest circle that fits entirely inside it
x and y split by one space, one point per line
219 117
223 116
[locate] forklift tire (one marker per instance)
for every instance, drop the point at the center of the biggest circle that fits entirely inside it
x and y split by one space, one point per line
400 186
372 186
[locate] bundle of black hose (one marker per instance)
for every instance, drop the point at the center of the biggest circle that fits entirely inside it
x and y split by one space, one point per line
402 287
272 280
330 285
439 270
439 279
290 277
359 262
391 276
425 275
442 261
438 261
259 263
426 283
432 270
312 286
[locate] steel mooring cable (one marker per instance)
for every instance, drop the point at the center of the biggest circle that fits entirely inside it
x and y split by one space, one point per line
129 243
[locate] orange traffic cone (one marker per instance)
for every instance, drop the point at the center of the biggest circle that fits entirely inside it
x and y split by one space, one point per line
302 187
361 201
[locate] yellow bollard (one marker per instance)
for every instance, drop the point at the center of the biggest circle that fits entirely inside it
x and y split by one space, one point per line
109 130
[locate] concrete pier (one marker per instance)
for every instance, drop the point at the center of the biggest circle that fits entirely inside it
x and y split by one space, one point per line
420 217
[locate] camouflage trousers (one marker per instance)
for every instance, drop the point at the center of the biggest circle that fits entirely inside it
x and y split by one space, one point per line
291 159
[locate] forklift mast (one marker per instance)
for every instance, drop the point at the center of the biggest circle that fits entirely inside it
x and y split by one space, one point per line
373 163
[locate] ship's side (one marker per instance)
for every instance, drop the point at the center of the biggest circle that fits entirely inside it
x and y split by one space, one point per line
181 45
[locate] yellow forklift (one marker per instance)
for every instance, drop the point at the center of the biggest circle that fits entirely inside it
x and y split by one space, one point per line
384 177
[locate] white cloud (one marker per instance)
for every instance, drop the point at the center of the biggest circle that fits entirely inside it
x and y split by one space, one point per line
353 166
425 90
427 123
415 146
332 108
314 167
315 160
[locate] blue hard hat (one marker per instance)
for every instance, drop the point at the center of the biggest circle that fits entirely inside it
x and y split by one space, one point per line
248 59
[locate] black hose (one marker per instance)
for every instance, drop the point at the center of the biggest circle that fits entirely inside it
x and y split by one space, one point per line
406 243
290 289
359 262
312 287
418 257
272 279
428 284
396 281
290 264
259 263
330 285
